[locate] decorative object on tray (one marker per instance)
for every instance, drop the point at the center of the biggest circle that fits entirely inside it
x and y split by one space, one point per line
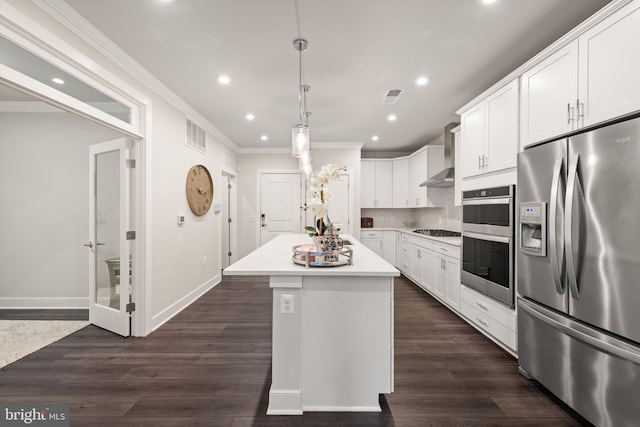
318 204
308 256
327 249
331 241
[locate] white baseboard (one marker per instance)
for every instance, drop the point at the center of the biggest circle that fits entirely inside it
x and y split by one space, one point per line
45 303
285 402
165 315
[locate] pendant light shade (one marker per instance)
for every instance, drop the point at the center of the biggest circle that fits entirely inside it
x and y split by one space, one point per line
300 132
299 140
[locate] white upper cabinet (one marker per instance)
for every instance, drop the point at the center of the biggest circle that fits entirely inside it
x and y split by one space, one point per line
609 66
549 96
423 165
490 133
592 79
401 189
376 184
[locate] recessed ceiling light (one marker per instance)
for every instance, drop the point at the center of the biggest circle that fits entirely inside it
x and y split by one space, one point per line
392 117
223 79
488 1
264 138
375 138
250 116
57 80
422 80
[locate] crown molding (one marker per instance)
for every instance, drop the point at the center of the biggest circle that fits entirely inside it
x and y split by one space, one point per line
78 25
337 145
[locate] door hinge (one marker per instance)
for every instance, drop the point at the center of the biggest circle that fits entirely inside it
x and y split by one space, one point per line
131 307
229 253
131 235
131 163
229 186
229 220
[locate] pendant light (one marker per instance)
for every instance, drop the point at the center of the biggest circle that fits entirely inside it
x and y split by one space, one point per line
300 132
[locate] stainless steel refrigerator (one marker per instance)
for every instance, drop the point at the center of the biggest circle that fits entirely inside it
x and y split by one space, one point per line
578 271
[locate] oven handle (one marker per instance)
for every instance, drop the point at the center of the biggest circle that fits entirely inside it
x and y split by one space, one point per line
501 201
488 237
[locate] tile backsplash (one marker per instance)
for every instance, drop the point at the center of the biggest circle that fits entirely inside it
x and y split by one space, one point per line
448 218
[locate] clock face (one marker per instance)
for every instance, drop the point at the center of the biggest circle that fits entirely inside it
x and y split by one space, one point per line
199 190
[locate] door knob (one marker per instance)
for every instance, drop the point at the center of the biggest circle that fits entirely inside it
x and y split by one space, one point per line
100 244
89 245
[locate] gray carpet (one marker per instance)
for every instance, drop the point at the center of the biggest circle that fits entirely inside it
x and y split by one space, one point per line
19 338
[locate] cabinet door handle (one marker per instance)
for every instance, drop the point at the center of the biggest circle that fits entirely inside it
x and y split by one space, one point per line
485 160
580 111
570 111
479 162
482 322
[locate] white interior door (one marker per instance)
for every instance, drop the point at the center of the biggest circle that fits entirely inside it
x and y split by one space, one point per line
280 204
339 209
108 224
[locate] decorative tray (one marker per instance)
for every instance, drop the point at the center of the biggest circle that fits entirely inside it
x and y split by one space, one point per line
308 256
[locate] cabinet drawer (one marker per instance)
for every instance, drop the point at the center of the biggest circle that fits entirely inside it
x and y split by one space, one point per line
491 326
446 249
418 241
490 308
371 234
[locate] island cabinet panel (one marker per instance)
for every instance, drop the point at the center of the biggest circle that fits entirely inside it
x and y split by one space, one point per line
332 328
346 342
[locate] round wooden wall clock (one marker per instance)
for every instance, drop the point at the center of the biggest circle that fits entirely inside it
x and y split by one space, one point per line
199 190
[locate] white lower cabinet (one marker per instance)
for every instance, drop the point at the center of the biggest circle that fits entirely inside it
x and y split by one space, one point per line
383 243
389 246
372 240
497 321
447 274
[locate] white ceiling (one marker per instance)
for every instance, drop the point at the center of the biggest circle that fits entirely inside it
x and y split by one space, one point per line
358 50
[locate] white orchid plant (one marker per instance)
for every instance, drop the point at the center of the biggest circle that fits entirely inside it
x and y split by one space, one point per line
318 204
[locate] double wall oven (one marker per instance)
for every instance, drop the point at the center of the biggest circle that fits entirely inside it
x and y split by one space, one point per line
488 242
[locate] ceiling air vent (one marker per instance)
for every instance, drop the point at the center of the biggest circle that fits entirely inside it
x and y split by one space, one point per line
391 96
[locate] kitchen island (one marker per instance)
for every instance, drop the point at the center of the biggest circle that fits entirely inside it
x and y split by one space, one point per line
332 328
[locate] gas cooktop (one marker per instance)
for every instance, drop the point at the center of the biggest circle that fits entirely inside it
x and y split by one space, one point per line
437 232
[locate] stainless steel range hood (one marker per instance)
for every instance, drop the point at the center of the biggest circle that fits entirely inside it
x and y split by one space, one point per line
446 177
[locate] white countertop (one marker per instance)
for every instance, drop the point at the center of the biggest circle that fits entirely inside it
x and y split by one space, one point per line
455 241
275 258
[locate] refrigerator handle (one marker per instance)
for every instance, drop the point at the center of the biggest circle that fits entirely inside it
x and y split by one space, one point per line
557 259
573 184
603 344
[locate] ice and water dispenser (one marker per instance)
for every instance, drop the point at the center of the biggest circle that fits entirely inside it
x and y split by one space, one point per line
533 228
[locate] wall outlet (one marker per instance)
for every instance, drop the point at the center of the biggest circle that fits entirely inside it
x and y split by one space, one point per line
287 304
180 219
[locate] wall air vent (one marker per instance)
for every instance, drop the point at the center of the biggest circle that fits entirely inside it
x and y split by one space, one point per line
391 96
196 137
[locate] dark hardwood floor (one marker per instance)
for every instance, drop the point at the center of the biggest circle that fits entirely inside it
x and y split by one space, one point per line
210 366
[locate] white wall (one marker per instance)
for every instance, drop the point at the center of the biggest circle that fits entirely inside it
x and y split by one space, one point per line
175 273
249 217
44 220
249 165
